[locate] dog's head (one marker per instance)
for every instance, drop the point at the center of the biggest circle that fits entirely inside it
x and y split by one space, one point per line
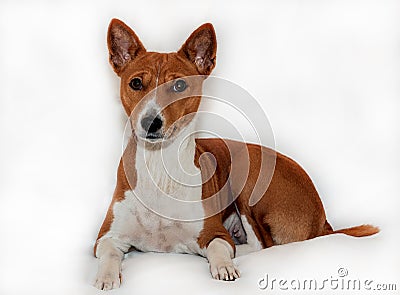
160 92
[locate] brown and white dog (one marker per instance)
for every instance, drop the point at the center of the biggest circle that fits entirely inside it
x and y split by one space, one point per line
289 209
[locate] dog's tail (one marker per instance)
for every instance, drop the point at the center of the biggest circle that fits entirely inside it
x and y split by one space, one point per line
355 231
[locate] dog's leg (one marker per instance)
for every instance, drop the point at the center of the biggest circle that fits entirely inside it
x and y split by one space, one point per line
234 226
219 255
110 253
252 244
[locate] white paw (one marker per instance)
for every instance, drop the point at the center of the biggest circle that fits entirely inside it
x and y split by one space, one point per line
107 280
226 271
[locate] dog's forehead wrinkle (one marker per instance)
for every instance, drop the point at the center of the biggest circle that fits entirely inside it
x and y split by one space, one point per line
158 76
162 67
159 63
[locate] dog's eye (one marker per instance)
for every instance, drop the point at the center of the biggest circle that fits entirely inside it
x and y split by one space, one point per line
136 84
179 86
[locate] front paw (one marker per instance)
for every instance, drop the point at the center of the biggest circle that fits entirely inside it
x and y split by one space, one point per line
224 270
107 280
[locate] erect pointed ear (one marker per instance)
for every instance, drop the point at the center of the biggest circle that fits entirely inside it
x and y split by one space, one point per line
201 48
123 45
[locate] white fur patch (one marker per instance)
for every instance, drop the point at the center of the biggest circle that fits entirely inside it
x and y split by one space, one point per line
162 174
219 255
110 256
253 244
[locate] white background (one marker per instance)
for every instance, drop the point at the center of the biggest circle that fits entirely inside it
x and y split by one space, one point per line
326 73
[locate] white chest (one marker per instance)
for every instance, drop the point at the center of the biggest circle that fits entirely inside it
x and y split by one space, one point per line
153 217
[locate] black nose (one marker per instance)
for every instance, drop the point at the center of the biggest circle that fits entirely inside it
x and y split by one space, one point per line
151 124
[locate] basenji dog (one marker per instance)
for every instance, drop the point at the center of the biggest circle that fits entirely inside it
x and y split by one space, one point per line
151 209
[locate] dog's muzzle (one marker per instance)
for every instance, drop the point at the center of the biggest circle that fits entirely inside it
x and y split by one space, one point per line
152 127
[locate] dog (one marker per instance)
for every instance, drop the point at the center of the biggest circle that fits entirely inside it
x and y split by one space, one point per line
140 218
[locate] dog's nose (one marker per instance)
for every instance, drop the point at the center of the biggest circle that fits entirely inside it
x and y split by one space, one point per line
151 124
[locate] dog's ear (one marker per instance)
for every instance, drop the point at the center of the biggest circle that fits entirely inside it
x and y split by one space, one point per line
123 45
201 48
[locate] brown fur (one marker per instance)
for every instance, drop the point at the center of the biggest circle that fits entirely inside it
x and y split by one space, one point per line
290 210
127 163
357 231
